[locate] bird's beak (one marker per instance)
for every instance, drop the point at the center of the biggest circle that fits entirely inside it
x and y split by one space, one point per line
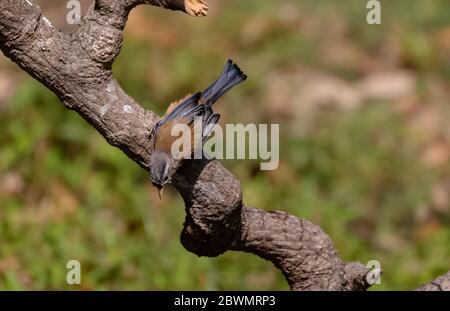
160 192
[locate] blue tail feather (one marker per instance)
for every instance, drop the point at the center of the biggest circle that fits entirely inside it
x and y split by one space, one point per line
231 76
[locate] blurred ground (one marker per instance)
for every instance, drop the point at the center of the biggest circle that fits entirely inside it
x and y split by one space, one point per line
365 146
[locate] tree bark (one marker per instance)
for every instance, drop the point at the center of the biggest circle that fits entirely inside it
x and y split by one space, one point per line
77 68
442 283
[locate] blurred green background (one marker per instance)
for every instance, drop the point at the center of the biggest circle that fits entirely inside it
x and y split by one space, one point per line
365 146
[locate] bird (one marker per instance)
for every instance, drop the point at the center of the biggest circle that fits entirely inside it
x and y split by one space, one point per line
185 111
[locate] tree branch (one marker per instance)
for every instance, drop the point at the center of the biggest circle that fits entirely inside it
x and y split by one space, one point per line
442 283
77 68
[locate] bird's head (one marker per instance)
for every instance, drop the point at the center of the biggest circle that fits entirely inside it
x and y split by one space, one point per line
161 169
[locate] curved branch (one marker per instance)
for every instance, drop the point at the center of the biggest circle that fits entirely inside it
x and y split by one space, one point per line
77 68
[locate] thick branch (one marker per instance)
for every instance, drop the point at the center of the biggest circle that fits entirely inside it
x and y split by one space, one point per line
77 68
442 283
302 251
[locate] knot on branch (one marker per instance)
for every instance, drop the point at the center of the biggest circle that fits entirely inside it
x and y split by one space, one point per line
101 42
355 276
213 201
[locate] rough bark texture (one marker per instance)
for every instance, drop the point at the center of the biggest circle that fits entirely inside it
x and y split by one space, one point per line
442 283
77 68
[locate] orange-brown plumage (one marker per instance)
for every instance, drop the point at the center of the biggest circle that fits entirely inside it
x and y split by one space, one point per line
164 138
175 104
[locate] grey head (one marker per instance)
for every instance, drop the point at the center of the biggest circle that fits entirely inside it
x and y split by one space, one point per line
161 169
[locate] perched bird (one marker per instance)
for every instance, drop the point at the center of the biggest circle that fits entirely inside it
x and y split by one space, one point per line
198 106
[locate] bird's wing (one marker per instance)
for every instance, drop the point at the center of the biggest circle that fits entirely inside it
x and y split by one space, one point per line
176 103
178 109
209 125
182 108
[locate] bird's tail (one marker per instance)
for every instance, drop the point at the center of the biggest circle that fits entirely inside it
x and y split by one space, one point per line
231 76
